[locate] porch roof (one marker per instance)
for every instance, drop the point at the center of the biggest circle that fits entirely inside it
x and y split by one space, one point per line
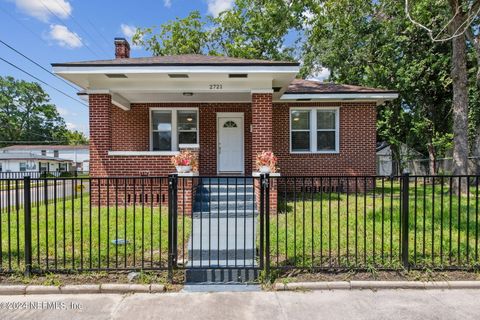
180 60
200 78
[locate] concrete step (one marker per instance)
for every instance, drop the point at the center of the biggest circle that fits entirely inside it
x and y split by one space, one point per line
230 180
223 206
230 214
219 275
224 196
215 188
242 256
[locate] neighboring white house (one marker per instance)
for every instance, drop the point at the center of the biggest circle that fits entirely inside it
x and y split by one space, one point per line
32 163
78 154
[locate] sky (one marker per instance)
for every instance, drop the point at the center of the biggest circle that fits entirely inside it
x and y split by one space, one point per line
49 31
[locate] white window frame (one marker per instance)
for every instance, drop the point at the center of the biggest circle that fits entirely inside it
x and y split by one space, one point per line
314 130
174 126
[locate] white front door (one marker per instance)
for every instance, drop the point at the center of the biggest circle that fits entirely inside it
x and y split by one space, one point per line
230 142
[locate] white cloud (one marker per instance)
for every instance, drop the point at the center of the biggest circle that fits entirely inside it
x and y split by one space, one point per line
43 10
215 7
62 111
71 126
322 75
128 31
167 3
64 37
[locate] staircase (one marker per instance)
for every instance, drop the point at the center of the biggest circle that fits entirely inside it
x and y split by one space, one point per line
222 246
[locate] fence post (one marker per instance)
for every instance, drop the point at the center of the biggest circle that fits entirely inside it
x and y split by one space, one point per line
27 207
405 213
262 221
172 229
266 182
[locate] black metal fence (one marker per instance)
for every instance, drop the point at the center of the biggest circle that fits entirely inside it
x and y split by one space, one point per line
81 224
41 174
166 223
375 222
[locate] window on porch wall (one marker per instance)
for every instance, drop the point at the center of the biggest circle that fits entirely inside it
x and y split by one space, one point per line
170 128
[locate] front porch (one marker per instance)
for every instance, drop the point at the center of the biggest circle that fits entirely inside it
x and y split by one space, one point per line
226 136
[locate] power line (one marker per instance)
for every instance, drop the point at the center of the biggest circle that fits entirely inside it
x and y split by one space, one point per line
97 30
37 64
45 83
76 36
21 23
79 25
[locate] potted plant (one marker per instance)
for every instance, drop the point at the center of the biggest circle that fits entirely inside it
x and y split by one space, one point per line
185 162
266 162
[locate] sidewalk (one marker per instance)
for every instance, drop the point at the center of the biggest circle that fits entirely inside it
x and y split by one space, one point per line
340 304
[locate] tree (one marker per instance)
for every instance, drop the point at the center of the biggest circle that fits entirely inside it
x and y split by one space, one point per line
180 36
26 113
369 43
455 27
75 137
372 44
252 29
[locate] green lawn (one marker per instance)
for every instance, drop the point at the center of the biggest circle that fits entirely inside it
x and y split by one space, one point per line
73 235
340 229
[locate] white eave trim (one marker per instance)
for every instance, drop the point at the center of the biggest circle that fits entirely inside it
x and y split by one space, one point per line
117 99
341 96
174 69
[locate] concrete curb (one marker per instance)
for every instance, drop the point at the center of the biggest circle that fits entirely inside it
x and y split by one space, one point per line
82 289
376 285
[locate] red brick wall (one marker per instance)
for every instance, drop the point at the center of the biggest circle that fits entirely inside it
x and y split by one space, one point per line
130 131
262 117
100 115
131 128
357 142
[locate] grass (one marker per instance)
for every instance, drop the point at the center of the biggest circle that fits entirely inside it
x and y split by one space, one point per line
339 229
71 234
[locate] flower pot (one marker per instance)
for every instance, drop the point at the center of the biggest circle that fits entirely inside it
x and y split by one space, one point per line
264 169
183 169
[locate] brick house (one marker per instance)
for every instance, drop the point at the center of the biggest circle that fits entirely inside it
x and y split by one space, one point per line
144 110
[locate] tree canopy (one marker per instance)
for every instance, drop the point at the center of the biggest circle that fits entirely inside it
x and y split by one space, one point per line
27 114
369 43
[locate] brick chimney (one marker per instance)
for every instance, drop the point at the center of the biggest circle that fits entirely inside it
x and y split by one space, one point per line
122 48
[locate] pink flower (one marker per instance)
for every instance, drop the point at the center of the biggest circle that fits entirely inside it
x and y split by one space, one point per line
266 158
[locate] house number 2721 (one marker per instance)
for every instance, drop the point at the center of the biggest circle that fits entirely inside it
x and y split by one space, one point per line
215 87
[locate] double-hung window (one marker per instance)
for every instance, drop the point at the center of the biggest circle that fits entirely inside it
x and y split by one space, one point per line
314 130
173 127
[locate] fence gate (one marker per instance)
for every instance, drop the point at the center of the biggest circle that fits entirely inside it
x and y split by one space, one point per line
216 227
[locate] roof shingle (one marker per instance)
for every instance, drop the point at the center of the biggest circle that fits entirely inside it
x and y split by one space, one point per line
183 59
299 86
